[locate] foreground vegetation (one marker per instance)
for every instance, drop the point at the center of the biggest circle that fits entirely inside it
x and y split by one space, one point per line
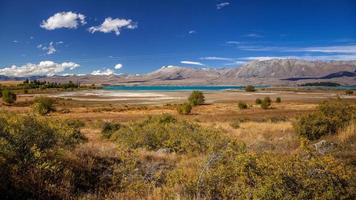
163 156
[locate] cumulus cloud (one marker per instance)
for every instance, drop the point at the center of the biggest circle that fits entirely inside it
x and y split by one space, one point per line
118 66
43 68
105 72
113 25
191 63
222 5
63 20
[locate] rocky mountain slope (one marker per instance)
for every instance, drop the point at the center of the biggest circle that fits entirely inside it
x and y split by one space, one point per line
267 72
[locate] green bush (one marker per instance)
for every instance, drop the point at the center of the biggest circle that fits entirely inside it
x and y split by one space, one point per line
196 98
8 96
184 109
330 117
278 100
250 88
109 128
43 105
167 132
242 105
31 150
266 103
349 92
232 173
258 101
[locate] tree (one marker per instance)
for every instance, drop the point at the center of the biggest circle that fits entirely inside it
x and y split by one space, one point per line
196 98
250 88
8 96
184 109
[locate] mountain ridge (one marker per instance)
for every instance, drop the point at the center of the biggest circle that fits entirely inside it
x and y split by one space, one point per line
270 72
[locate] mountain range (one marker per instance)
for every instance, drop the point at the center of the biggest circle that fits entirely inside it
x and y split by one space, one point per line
258 72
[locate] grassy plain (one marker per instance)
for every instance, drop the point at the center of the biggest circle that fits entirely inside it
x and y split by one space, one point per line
262 131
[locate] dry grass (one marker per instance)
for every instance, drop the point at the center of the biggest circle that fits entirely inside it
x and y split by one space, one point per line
265 136
348 134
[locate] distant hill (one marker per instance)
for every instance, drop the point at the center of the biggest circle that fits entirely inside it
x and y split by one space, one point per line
265 72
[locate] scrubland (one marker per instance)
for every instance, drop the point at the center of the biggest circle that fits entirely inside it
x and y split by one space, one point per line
101 150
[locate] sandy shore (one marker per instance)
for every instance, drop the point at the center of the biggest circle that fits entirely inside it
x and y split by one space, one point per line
152 97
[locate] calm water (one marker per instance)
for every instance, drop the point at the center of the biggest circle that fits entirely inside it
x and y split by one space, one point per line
200 87
175 87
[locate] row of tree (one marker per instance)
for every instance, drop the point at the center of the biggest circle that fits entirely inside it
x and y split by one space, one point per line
34 84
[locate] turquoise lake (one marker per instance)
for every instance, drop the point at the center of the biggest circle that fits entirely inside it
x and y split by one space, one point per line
198 87
172 88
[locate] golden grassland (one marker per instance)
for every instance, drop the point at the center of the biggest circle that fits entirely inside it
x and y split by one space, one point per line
271 152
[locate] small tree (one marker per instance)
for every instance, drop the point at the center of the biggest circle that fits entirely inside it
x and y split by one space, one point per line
43 105
242 105
250 88
196 98
266 103
184 109
258 101
278 100
8 96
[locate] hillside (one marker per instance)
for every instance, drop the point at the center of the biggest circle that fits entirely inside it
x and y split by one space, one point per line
269 72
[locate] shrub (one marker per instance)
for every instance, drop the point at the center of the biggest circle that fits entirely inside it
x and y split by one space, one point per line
235 124
266 103
196 98
109 127
258 101
167 132
232 173
43 105
184 109
250 88
8 96
278 100
330 117
31 150
349 92
242 105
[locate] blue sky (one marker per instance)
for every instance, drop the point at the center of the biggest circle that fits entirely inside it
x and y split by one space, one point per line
40 37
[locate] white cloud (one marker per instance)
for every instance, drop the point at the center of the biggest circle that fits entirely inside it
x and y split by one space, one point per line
336 57
50 49
118 66
191 62
99 72
15 41
253 35
351 49
43 68
192 32
222 5
216 58
233 42
113 25
63 20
